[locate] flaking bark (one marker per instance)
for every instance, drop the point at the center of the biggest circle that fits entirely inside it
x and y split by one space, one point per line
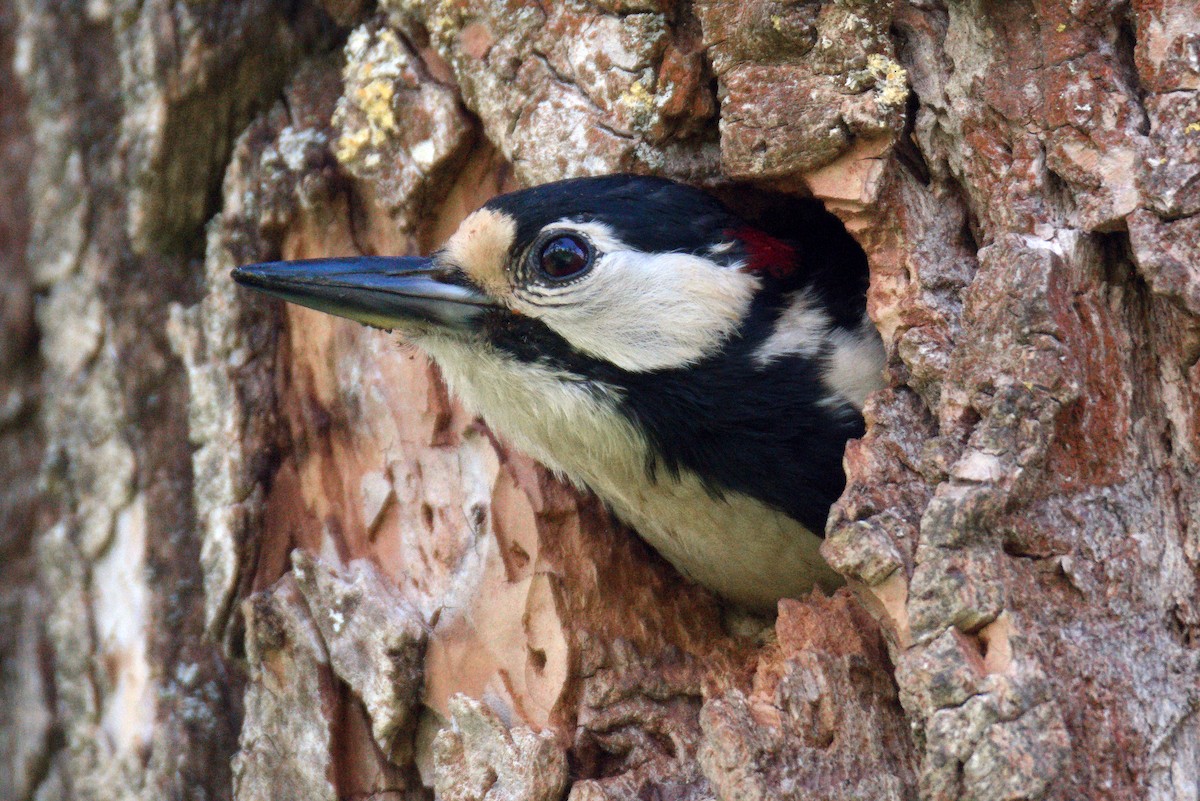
249 551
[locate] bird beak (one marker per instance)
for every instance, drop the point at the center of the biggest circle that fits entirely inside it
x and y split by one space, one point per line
382 292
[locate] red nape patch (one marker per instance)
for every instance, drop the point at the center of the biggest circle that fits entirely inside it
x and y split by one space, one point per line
767 254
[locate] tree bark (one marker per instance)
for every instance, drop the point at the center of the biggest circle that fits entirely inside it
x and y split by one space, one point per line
253 552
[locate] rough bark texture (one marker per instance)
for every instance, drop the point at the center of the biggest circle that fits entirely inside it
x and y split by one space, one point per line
253 552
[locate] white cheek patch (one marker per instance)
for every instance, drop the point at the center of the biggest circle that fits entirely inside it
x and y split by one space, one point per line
644 311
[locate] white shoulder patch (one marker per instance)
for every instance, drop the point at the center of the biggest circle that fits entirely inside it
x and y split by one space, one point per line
855 365
853 359
802 330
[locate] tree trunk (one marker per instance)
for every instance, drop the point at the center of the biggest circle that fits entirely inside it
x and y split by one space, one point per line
254 552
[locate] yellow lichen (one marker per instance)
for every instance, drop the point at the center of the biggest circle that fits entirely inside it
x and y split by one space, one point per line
1193 127
375 64
641 102
637 97
444 23
891 79
375 100
350 143
389 38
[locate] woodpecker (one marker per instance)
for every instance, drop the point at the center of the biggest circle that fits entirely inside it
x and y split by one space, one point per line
699 374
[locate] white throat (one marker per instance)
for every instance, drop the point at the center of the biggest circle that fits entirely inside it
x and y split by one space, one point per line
735 545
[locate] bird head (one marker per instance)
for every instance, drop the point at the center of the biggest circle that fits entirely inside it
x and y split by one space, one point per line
738 356
640 274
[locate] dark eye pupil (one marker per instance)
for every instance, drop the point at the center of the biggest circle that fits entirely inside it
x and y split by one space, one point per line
563 257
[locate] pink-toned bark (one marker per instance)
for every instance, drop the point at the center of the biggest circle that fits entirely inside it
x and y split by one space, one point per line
266 554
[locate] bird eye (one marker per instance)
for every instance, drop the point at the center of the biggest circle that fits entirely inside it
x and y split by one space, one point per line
564 257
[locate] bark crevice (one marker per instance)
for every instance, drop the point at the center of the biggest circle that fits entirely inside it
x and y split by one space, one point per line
265 534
